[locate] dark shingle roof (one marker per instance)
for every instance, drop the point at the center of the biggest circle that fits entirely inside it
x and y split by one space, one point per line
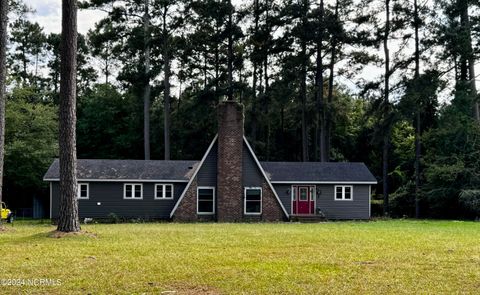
182 170
128 169
316 171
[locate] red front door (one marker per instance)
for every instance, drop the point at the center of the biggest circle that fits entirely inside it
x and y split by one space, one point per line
303 202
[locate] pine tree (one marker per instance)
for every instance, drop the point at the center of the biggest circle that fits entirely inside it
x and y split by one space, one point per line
3 72
68 213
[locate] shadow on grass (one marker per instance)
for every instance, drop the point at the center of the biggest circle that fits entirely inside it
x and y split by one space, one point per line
48 237
59 234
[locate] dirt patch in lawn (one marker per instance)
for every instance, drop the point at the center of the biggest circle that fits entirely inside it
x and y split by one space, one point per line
4 229
188 289
60 234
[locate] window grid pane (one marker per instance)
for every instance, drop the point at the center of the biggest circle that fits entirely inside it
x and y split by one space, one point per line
348 193
253 201
339 193
83 191
159 191
168 191
205 200
138 191
303 194
128 191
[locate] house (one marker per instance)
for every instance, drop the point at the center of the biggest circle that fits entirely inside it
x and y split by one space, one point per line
229 184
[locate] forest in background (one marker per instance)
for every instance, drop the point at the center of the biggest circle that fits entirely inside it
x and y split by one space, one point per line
151 73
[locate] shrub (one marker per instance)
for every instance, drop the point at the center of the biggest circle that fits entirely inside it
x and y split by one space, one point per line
470 200
113 218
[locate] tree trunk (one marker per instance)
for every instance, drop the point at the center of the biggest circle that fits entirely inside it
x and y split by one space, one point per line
106 69
470 57
418 113
303 82
320 154
386 143
329 106
266 105
253 123
386 137
166 84
205 78
217 64
417 163
217 70
230 52
146 91
266 100
3 74
68 214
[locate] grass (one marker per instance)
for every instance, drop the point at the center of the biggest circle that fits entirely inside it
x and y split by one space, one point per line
403 256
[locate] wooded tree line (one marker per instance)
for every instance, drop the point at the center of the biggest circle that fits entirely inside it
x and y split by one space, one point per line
387 82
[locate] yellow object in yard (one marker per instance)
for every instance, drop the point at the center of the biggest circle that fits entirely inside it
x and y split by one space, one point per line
6 214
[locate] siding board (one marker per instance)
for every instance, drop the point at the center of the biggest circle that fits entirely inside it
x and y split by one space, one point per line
358 208
207 175
284 193
252 177
110 197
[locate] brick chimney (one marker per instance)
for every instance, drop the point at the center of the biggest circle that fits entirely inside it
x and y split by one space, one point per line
229 173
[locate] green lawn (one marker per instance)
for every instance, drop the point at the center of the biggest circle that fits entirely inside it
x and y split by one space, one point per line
286 258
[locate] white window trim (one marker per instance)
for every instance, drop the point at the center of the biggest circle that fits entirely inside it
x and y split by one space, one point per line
79 191
133 191
343 193
245 201
164 191
213 206
51 205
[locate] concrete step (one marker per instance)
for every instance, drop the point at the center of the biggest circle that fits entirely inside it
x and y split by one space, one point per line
307 218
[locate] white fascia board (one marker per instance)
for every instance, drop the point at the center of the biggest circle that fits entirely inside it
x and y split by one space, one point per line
323 182
121 180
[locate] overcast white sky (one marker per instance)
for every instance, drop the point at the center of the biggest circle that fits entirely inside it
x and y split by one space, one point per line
49 16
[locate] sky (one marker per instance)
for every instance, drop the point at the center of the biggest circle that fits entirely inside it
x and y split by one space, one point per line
49 16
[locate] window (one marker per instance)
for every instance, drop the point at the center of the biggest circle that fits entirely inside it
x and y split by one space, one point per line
163 191
133 191
205 200
303 194
343 192
83 191
253 200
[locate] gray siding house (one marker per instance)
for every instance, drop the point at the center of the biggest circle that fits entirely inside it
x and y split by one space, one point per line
228 184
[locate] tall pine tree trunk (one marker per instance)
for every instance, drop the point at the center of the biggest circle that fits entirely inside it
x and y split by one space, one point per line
418 116
386 131
230 51
146 90
303 82
320 143
166 84
3 74
253 123
68 214
266 96
470 56
217 67
329 108
267 105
